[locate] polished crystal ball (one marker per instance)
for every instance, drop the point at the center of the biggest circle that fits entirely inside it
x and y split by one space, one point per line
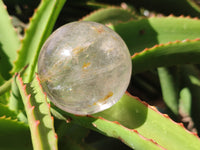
84 67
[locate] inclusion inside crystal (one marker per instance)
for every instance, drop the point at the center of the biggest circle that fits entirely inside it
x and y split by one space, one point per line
84 67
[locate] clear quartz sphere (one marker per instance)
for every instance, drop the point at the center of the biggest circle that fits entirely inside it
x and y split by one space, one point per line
84 67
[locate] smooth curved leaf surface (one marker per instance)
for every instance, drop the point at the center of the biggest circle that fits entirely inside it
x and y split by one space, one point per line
5 87
148 32
170 88
190 103
9 42
134 114
130 115
109 15
113 129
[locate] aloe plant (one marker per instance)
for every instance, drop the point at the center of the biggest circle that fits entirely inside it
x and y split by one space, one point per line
165 56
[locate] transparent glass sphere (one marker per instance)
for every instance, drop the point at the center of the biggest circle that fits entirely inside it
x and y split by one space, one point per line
84 67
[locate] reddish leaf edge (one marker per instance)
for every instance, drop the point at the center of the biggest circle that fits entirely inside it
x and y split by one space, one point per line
110 7
37 122
164 115
10 18
26 30
14 120
135 131
131 130
138 18
30 106
9 118
160 45
172 15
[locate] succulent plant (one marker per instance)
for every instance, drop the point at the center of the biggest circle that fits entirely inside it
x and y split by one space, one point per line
165 52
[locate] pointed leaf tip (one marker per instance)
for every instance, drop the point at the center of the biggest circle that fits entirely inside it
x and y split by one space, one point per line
37 122
166 116
56 136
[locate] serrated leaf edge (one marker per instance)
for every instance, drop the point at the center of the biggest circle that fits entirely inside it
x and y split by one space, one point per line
13 120
33 122
110 7
164 115
162 45
173 16
131 130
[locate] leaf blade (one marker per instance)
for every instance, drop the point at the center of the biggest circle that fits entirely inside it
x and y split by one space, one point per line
8 35
109 15
134 114
148 32
15 132
170 90
185 52
5 111
38 114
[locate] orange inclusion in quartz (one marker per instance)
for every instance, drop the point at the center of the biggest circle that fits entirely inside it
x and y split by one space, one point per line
104 99
78 50
85 65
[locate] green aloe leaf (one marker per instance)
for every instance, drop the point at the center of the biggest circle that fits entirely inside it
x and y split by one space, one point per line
5 111
38 114
134 114
39 29
170 88
154 31
9 42
130 137
190 103
5 86
147 32
133 121
185 99
14 135
4 96
195 5
15 100
113 129
184 52
111 15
